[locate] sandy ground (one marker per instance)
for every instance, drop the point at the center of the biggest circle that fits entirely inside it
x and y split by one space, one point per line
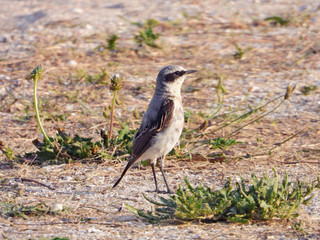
62 36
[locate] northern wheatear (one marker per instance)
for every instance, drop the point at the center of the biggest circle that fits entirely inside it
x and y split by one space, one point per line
162 123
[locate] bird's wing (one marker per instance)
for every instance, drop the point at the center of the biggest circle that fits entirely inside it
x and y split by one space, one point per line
144 135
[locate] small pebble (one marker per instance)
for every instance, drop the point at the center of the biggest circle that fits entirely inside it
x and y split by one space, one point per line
56 207
72 63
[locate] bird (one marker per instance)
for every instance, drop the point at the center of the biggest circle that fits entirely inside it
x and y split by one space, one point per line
162 123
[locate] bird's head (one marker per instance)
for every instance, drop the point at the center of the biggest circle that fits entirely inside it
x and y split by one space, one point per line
171 78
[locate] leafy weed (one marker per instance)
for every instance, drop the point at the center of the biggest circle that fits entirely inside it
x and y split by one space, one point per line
264 199
146 35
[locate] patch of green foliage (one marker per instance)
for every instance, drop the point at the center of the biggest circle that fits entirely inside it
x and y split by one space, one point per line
98 78
277 20
146 35
8 209
122 144
306 90
187 115
112 40
297 226
8 152
65 149
222 143
62 148
265 198
240 52
111 44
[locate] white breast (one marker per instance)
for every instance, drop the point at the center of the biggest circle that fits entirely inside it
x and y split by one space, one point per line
165 140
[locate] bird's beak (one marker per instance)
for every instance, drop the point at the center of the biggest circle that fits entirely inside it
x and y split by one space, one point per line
190 71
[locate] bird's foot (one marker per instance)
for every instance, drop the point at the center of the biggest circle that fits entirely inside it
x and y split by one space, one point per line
169 192
154 191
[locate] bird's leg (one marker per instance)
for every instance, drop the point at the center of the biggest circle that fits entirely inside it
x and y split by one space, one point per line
155 178
161 163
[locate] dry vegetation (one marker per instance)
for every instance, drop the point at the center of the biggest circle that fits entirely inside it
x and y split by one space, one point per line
243 62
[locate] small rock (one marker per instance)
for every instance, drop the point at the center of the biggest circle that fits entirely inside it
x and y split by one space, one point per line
3 40
89 27
118 113
77 10
67 178
116 6
56 207
72 63
93 230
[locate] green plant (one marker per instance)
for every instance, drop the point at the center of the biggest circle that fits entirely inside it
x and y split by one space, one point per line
240 52
298 227
8 152
146 35
222 142
221 91
120 145
277 20
112 40
36 75
306 90
63 148
266 198
99 78
116 85
111 44
66 149
8 209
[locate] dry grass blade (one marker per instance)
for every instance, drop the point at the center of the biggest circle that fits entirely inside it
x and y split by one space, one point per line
286 97
35 181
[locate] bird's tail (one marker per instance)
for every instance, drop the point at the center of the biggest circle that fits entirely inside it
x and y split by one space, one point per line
131 161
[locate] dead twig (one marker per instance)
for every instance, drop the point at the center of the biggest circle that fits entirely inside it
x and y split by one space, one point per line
35 181
94 208
69 222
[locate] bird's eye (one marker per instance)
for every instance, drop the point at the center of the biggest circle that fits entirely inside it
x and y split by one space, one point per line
179 73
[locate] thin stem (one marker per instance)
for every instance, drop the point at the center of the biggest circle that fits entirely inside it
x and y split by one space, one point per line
112 113
37 110
254 120
241 191
220 94
284 141
246 114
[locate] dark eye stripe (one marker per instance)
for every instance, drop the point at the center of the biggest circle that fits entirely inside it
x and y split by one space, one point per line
173 76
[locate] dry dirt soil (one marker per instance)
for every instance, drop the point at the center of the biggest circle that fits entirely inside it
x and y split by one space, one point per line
66 37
